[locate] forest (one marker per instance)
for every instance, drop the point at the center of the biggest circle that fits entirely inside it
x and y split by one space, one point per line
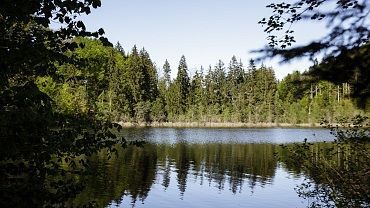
111 84
64 91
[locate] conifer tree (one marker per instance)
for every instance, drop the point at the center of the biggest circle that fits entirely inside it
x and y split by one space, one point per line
183 82
235 74
196 96
235 81
220 87
135 75
249 92
167 73
150 78
120 49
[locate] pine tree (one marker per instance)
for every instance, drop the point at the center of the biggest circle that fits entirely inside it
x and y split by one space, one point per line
196 96
265 85
150 77
219 78
120 49
249 92
235 74
167 73
183 82
209 91
235 80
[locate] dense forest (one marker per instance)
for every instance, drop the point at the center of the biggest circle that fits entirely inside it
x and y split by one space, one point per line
110 84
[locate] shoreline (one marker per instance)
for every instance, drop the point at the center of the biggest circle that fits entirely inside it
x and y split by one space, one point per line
218 125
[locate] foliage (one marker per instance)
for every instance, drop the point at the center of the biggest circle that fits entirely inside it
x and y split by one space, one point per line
39 146
28 47
345 48
126 88
45 133
346 19
338 172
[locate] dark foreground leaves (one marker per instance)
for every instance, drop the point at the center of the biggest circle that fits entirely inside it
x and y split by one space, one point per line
42 152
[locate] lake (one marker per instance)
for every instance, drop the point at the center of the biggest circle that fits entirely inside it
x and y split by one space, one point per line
228 135
201 167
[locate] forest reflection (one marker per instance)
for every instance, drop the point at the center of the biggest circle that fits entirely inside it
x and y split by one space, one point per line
136 169
231 168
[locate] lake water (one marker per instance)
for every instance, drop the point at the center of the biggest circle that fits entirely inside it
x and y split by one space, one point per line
228 135
200 167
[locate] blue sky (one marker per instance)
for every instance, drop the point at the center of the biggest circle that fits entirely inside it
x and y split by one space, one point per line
203 30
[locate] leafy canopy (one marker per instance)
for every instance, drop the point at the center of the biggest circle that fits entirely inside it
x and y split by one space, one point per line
345 49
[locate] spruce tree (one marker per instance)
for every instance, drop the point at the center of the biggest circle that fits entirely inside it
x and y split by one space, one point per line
196 97
249 91
135 75
235 81
120 49
148 85
235 74
220 85
167 73
183 82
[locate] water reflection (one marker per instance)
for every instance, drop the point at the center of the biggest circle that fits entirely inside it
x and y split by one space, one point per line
205 168
228 168
227 135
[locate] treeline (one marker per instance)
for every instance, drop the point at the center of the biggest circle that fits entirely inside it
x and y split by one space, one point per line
113 85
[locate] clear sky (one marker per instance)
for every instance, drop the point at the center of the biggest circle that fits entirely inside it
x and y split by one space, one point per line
203 30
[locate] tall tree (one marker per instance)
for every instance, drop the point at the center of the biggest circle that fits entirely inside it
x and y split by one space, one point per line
150 77
167 73
249 91
219 79
135 75
120 49
183 82
235 73
196 96
235 81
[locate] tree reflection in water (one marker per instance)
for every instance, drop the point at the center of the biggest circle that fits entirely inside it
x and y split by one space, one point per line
136 169
133 173
337 173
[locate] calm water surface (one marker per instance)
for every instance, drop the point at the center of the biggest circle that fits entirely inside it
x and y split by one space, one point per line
200 168
226 135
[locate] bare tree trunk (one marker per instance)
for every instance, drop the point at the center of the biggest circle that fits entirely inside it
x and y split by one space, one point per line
338 92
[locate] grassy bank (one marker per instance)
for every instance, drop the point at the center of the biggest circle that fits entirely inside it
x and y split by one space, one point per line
218 125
